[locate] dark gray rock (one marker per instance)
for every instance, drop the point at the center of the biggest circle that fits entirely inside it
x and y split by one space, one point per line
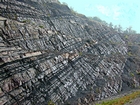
49 54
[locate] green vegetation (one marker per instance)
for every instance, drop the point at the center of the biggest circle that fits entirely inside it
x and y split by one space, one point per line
129 54
132 74
48 15
51 103
126 36
26 21
130 44
80 53
41 26
122 100
138 73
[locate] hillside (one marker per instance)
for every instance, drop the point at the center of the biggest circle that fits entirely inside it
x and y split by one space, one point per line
50 54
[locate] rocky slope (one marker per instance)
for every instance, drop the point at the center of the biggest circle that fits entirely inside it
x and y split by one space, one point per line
131 74
47 53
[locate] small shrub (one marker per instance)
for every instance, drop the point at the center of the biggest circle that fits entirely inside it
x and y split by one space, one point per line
129 54
126 36
132 74
51 103
130 44
138 73
80 53
26 21
49 15
41 26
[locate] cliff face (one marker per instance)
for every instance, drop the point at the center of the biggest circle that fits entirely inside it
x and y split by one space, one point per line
49 54
131 73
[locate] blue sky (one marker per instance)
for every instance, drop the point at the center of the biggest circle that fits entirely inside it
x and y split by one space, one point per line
123 12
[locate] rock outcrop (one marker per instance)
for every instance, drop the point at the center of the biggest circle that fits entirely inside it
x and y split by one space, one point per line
48 54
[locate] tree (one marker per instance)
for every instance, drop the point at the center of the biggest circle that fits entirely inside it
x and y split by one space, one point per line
64 3
129 30
110 25
116 28
119 28
97 19
105 23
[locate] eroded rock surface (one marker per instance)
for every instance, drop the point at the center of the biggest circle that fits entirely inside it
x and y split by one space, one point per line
49 54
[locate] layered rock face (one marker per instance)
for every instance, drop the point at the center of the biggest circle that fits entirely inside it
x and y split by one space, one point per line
49 54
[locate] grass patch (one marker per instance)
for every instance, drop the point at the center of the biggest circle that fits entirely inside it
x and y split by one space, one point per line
138 73
51 103
122 100
26 21
80 53
41 26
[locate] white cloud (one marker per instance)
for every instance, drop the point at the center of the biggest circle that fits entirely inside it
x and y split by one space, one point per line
116 12
113 11
103 9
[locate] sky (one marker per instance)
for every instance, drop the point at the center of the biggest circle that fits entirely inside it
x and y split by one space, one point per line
120 12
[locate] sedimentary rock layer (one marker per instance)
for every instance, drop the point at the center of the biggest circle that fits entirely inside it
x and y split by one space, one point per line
47 53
